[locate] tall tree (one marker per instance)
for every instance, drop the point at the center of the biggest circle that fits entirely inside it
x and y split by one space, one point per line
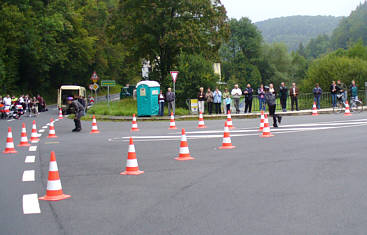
159 30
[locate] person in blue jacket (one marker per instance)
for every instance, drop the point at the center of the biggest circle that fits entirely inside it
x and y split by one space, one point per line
317 91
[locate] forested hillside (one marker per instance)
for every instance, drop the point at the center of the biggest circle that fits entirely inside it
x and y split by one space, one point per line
294 30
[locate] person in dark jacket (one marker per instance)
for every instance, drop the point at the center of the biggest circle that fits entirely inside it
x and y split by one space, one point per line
270 99
317 91
248 93
170 98
334 92
283 93
78 109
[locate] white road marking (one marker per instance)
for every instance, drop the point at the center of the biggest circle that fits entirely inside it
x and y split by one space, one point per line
32 148
30 159
236 133
31 204
41 131
44 127
28 176
11 120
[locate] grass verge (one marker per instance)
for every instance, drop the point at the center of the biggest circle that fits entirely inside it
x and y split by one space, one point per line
125 107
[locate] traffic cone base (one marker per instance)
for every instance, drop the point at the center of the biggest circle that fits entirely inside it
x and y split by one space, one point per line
10 151
184 158
172 128
55 198
265 136
203 126
132 172
24 145
227 147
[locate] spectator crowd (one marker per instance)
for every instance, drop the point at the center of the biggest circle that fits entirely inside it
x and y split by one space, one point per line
32 105
213 100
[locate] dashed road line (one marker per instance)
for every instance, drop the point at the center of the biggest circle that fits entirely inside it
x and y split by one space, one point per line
32 148
41 131
44 127
30 159
28 175
31 204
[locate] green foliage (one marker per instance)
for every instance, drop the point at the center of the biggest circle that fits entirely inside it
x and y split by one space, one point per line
195 72
351 29
49 43
241 53
160 30
294 30
334 67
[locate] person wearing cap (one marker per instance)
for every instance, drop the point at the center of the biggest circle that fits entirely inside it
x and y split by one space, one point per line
270 99
79 112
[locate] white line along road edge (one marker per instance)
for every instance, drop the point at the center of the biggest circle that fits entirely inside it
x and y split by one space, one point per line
31 204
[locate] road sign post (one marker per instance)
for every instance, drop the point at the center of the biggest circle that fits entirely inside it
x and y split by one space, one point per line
108 83
174 75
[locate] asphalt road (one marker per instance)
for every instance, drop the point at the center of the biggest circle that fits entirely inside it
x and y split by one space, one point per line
307 179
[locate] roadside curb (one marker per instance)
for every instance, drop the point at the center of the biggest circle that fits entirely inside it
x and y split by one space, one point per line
206 117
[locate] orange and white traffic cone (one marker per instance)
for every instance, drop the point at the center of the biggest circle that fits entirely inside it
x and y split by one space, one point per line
34 136
229 120
227 143
94 126
9 143
184 153
172 123
201 121
262 121
54 189
51 130
132 167
347 110
134 126
60 114
314 109
266 130
23 137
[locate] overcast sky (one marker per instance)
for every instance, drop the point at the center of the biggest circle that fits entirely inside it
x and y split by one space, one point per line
258 10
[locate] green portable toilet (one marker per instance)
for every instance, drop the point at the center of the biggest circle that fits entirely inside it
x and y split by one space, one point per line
147 96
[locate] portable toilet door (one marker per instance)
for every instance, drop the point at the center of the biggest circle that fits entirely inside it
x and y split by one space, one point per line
147 98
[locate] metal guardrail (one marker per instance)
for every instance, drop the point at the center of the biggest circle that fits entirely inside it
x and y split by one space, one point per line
305 101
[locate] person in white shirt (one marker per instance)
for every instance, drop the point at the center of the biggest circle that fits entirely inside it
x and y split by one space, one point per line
7 100
236 95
